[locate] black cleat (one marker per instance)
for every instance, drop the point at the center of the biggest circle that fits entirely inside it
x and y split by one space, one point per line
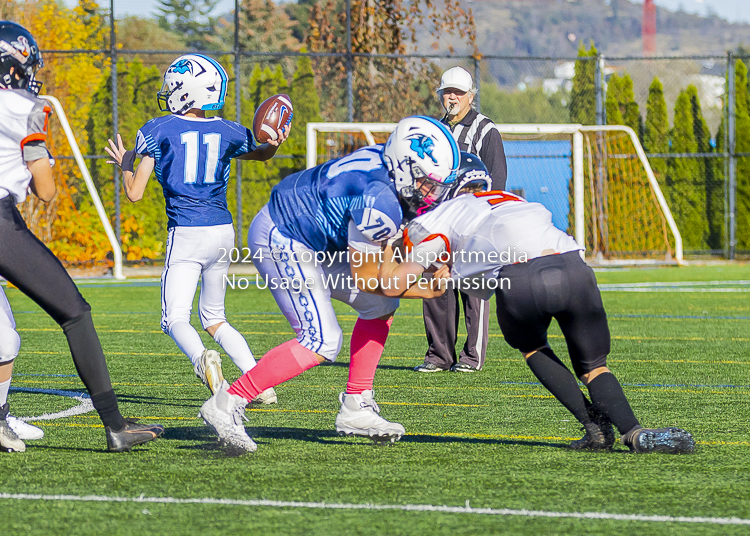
669 440
133 434
428 367
600 436
463 367
593 440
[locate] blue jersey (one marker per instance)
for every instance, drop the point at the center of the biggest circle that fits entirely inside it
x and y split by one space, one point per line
315 206
192 162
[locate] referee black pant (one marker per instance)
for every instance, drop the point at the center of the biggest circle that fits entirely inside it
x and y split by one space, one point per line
441 325
29 265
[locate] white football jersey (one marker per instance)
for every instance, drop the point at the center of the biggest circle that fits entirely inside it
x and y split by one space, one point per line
480 233
23 131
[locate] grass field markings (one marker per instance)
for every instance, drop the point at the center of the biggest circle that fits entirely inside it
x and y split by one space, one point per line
253 410
48 375
460 335
678 317
641 387
649 284
84 403
434 404
467 509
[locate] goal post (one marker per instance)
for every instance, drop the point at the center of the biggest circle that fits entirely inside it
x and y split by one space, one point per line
116 250
596 180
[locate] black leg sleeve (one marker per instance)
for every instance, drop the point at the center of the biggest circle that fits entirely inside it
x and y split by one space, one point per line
607 395
560 382
27 263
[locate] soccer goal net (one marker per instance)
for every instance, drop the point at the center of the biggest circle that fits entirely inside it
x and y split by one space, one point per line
595 180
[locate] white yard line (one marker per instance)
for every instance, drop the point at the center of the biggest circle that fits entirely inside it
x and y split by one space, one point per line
84 403
377 507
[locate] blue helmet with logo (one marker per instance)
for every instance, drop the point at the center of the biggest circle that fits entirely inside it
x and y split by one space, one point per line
422 158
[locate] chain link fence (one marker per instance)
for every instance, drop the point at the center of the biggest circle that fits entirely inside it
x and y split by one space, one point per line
371 87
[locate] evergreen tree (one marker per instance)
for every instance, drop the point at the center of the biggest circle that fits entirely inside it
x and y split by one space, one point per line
306 109
614 98
714 190
742 145
656 131
620 104
687 194
143 224
191 19
631 114
583 93
259 177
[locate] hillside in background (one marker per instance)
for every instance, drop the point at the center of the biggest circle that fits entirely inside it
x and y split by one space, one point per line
555 27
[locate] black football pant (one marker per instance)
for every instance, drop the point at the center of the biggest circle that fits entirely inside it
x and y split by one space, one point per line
27 263
441 317
562 287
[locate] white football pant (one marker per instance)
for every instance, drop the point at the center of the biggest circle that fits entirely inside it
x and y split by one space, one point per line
193 254
303 290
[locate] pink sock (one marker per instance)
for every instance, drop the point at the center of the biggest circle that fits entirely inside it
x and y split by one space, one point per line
279 365
368 340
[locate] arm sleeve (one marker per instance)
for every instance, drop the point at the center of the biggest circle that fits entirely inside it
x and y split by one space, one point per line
246 144
493 156
360 242
377 214
34 144
141 145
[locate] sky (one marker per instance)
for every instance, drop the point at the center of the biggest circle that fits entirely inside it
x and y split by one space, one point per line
731 10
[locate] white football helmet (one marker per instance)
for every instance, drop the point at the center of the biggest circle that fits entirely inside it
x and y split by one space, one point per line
422 158
193 81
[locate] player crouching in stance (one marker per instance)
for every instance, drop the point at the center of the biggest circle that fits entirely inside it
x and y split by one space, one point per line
322 228
27 263
500 243
191 155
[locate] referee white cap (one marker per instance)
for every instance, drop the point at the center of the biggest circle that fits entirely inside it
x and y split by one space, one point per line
457 78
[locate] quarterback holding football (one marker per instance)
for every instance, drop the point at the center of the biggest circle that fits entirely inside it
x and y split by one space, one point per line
190 155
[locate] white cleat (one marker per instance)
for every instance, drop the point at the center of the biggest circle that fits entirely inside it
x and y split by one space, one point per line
266 397
208 370
359 416
224 413
24 430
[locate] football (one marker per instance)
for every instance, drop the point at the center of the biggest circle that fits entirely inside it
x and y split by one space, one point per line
272 114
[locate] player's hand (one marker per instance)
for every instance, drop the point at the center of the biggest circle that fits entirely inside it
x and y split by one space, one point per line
442 274
115 151
282 133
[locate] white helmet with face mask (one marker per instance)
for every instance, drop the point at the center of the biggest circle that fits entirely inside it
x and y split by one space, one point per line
193 81
422 158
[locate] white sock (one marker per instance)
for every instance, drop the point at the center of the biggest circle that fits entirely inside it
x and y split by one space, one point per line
235 346
187 340
4 388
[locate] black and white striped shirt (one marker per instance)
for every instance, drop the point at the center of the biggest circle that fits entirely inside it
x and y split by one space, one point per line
477 134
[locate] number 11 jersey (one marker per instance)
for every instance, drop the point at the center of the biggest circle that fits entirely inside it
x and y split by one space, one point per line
192 159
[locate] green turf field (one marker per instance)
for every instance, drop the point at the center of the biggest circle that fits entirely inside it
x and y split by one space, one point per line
495 441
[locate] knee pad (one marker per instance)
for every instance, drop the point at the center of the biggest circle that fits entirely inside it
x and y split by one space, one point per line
10 344
328 346
170 319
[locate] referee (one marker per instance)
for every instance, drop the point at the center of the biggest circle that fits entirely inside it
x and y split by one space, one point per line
474 133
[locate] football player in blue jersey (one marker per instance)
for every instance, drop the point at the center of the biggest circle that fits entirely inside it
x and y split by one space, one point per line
190 155
319 238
